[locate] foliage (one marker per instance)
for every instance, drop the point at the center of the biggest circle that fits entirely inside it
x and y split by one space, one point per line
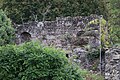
93 54
112 11
114 20
29 10
32 61
96 21
90 76
105 42
6 30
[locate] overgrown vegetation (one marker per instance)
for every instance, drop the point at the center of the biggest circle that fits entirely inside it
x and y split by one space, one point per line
33 10
114 20
31 61
105 36
90 76
6 30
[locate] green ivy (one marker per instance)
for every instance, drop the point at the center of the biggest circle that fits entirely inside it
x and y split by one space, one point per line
105 36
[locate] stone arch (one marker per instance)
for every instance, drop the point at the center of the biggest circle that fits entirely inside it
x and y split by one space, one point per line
25 36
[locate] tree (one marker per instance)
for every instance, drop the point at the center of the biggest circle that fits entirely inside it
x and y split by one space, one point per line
6 30
32 10
114 20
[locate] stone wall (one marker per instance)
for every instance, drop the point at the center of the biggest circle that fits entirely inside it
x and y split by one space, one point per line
112 67
61 33
73 34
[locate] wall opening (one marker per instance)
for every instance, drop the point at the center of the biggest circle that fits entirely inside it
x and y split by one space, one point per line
25 37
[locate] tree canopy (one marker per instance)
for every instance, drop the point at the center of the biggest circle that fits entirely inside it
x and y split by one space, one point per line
31 10
114 20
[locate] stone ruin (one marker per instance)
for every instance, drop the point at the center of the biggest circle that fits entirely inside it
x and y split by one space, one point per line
62 32
112 67
72 34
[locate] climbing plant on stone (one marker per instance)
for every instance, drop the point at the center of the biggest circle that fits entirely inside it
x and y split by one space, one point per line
104 31
6 30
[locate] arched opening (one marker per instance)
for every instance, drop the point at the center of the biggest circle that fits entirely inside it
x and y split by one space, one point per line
25 37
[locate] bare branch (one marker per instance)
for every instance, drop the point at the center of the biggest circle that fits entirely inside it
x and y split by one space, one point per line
46 12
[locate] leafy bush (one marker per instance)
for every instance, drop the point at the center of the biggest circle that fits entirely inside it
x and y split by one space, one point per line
31 61
6 30
94 54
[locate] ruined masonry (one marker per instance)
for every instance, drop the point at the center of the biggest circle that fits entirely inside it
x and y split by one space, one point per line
71 34
112 67
62 33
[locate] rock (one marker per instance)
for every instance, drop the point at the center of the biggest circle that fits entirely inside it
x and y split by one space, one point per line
68 23
112 67
80 41
50 37
116 57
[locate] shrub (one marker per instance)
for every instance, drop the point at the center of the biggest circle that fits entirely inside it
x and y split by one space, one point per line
31 61
93 54
6 30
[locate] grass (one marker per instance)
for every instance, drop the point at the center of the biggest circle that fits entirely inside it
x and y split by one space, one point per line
90 76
